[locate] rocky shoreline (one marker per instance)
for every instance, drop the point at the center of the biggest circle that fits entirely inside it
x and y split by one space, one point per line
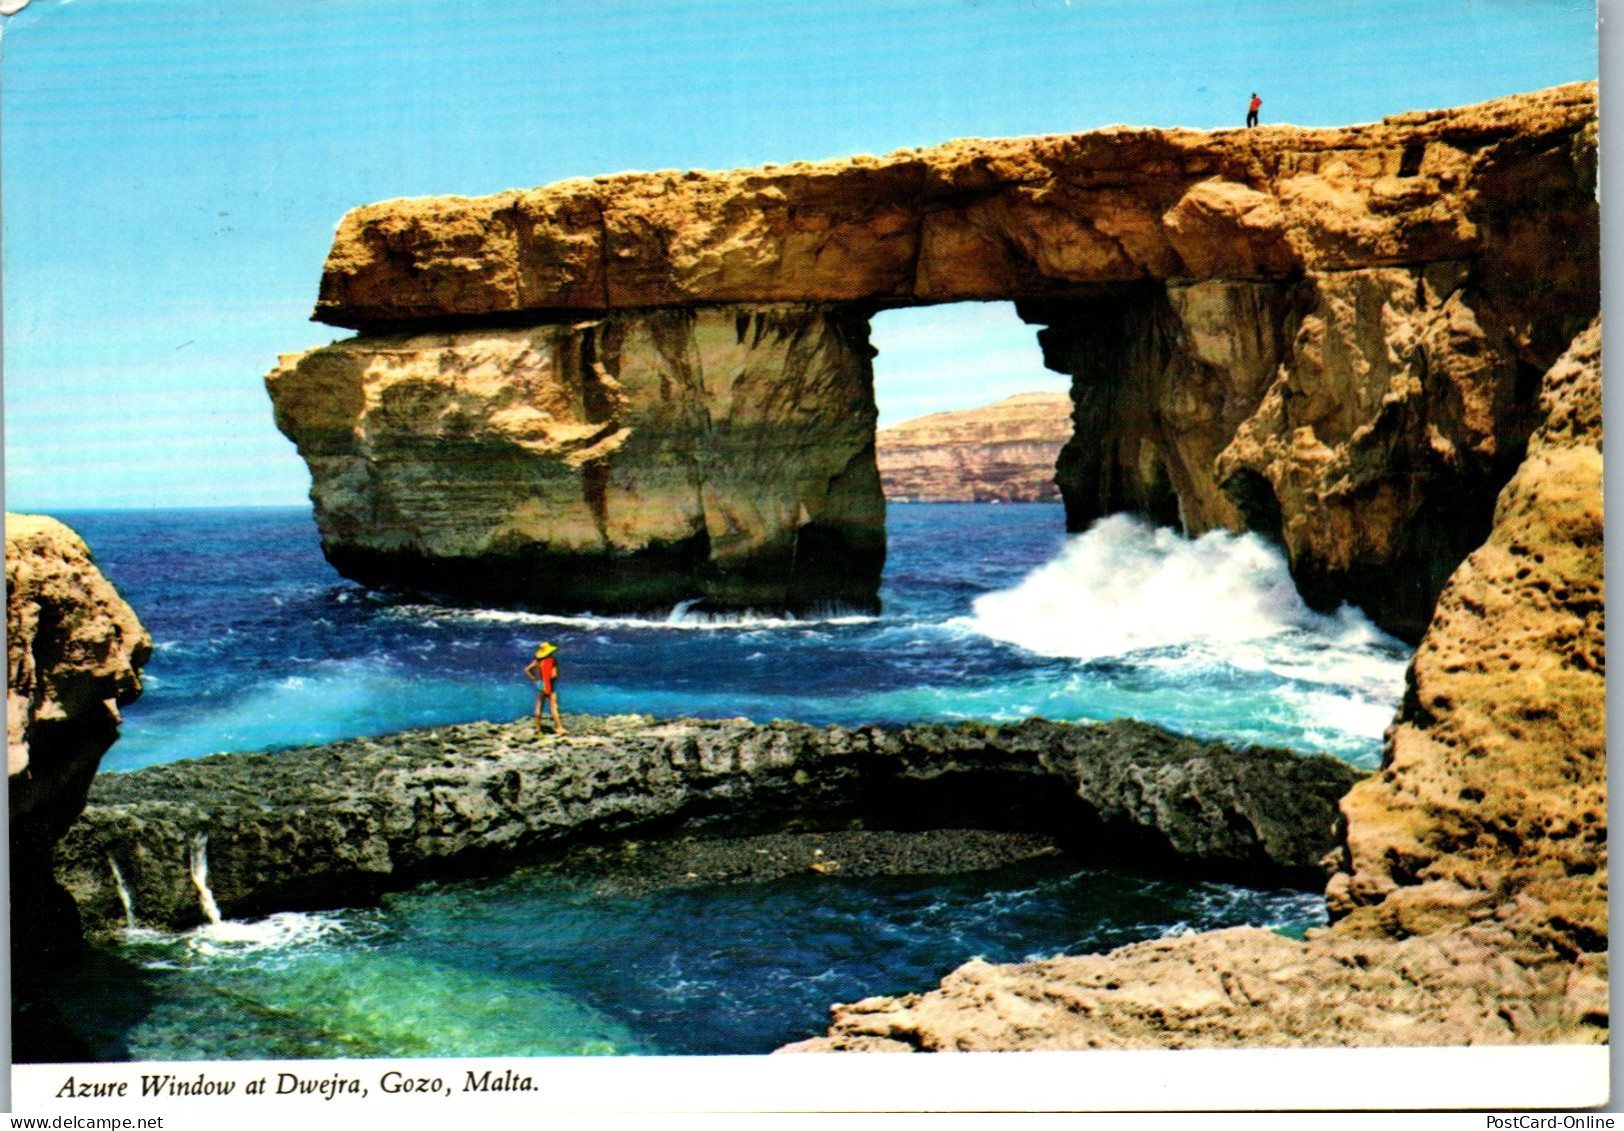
1469 904
339 824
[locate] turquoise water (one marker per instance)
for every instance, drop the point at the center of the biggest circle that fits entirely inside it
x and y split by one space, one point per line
988 612
536 965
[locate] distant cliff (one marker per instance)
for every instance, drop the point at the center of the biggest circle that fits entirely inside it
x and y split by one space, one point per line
638 388
1002 452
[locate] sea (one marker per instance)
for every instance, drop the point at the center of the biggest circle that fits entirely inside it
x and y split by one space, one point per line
989 612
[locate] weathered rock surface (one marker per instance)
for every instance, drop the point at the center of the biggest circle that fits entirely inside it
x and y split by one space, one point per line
1494 784
1003 452
1331 336
74 651
633 461
1243 987
635 866
1471 901
335 825
975 219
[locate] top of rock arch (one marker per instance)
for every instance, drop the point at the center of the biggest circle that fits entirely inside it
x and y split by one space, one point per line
970 219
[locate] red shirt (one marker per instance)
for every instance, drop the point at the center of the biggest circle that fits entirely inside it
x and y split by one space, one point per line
1256 102
549 671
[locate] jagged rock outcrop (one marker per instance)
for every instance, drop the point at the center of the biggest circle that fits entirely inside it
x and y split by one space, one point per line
74 651
1331 336
1470 905
1494 783
335 825
1003 452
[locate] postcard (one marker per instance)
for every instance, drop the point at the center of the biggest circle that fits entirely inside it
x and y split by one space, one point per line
644 557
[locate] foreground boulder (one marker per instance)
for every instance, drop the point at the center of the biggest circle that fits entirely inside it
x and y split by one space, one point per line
617 392
1470 904
336 825
74 651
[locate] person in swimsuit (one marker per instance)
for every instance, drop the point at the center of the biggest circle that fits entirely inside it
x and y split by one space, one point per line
543 672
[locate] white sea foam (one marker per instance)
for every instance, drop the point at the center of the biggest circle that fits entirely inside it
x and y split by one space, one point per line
1187 606
1125 586
682 617
281 931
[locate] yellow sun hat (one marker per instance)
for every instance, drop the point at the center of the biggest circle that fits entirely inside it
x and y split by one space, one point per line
543 650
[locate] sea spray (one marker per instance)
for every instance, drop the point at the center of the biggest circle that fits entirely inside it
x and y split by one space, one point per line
1215 615
199 861
368 665
1126 586
123 893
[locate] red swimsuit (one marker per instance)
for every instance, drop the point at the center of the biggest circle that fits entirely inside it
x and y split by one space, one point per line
549 672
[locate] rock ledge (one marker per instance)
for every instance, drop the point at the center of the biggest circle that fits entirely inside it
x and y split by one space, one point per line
336 825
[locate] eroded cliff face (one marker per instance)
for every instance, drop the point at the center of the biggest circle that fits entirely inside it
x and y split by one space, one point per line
1470 904
74 651
1364 419
1330 336
1002 452
1493 790
631 461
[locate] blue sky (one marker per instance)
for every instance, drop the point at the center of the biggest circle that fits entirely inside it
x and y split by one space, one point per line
173 169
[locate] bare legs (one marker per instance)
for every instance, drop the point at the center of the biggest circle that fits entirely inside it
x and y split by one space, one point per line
552 702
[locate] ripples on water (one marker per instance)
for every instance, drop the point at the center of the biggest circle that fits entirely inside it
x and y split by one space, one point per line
536 965
989 613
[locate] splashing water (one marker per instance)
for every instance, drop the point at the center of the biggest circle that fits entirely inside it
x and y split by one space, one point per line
123 893
1215 610
199 867
1125 587
260 644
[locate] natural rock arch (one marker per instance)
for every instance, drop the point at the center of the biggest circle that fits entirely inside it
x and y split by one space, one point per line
637 389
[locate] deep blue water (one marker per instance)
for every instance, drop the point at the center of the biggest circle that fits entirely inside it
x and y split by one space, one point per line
535 965
988 612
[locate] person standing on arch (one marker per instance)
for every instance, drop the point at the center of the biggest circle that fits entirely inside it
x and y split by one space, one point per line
1252 109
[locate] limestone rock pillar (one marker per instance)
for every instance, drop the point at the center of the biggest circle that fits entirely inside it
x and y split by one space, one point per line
722 454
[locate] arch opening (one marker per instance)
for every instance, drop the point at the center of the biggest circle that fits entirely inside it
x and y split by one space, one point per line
967 411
